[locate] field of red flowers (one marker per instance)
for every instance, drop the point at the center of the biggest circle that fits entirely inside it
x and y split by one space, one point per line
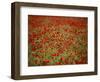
56 40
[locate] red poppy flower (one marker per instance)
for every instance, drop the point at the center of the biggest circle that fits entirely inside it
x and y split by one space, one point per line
30 40
44 40
34 35
35 55
55 54
58 63
42 51
33 49
62 58
33 43
46 61
43 32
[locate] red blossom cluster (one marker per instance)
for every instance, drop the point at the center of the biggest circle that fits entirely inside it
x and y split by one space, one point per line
56 40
